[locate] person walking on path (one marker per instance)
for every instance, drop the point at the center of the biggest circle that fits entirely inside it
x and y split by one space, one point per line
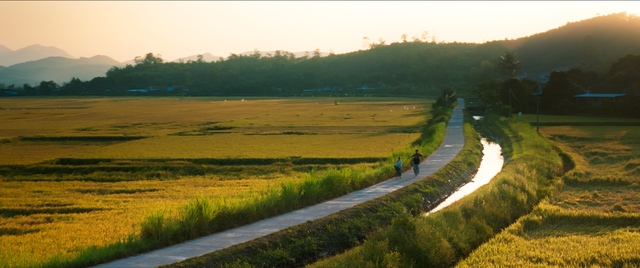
454 141
398 167
416 159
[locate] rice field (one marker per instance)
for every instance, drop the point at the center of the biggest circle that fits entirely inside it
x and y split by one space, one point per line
34 130
594 218
120 153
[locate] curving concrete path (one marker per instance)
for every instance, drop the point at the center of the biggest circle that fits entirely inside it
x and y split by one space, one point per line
451 146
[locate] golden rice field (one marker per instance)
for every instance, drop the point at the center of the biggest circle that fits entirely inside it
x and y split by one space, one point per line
594 218
206 127
48 214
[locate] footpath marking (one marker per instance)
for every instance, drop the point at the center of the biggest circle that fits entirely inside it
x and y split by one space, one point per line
451 146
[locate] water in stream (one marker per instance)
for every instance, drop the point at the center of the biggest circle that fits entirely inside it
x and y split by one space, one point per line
490 165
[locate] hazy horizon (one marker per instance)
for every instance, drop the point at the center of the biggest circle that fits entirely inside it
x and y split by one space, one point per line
124 30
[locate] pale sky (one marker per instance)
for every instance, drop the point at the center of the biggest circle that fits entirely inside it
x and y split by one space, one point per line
126 29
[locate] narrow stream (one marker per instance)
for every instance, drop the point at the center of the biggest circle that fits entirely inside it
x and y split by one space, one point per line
490 165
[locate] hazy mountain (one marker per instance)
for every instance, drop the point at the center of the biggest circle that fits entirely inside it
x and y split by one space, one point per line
4 51
9 57
57 69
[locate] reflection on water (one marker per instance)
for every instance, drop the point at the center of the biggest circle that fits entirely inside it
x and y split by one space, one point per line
490 165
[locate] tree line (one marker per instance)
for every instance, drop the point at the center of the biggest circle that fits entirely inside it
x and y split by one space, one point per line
556 95
595 54
406 68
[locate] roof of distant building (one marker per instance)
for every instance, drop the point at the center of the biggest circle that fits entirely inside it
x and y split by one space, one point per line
599 95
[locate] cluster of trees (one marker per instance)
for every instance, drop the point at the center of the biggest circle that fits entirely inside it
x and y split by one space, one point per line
556 94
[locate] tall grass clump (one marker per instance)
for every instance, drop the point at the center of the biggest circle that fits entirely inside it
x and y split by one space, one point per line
447 236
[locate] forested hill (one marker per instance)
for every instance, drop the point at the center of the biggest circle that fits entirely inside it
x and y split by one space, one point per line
412 67
591 45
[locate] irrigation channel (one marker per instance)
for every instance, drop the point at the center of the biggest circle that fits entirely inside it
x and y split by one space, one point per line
490 165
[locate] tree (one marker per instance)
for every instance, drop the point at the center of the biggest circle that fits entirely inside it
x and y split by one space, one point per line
148 59
73 87
488 93
518 93
557 94
46 88
508 66
625 72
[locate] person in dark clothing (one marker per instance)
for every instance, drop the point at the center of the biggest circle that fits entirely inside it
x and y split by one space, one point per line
416 159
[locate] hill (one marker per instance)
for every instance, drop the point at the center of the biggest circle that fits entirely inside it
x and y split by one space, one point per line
57 69
9 57
591 44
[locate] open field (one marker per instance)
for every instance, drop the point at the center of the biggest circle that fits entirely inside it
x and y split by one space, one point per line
85 172
35 130
594 218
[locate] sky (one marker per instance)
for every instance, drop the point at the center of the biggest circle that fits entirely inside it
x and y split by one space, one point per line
123 30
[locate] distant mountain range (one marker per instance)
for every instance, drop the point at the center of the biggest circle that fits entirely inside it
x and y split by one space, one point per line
9 57
57 69
36 63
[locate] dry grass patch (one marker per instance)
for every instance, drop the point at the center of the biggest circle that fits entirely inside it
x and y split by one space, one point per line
555 237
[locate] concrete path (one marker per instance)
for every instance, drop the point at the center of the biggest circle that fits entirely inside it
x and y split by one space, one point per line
451 146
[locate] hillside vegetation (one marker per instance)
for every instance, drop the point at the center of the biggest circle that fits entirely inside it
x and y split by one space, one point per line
402 68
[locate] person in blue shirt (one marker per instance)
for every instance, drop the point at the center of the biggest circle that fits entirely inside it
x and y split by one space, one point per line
398 167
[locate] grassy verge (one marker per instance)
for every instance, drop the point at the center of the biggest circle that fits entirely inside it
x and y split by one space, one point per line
447 236
203 216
